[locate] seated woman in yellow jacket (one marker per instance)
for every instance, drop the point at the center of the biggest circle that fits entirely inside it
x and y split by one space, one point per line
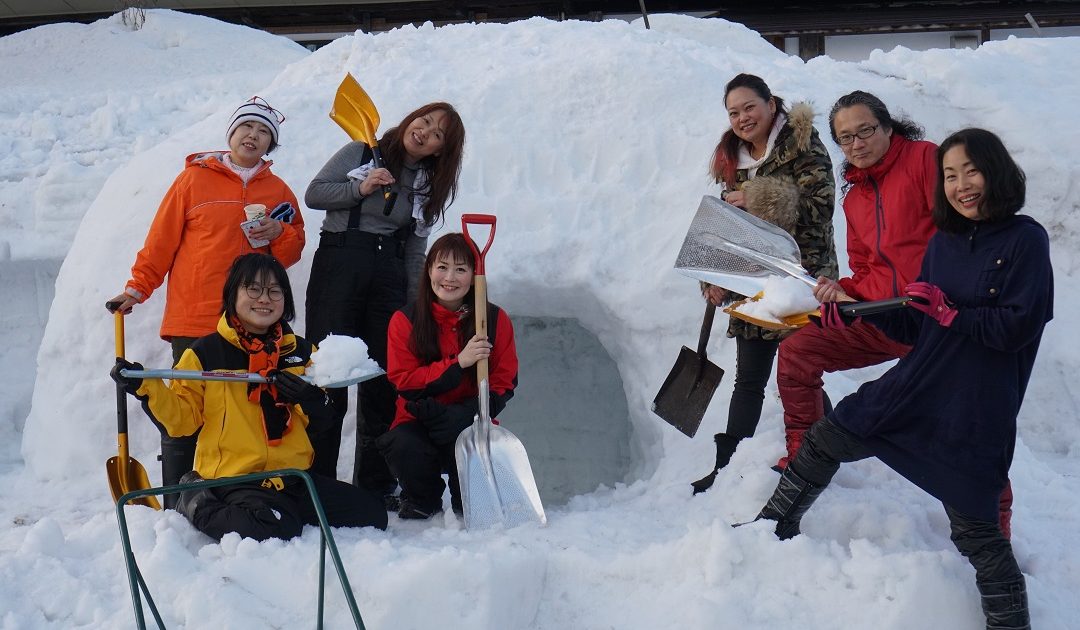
197 233
252 427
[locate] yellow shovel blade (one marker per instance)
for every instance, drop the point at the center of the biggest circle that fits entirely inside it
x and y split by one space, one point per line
789 322
354 111
126 474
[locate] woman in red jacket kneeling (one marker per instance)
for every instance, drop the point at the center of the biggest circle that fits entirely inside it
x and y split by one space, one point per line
432 350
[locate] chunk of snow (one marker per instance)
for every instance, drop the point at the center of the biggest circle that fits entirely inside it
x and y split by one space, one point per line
340 358
783 296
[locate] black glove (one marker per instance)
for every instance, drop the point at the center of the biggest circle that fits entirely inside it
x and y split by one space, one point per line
294 389
130 384
424 408
443 427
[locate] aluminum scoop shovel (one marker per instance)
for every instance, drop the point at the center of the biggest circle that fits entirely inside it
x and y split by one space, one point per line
497 483
733 249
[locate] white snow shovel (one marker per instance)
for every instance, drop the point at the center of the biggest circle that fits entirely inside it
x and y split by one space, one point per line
732 248
735 250
497 483
246 377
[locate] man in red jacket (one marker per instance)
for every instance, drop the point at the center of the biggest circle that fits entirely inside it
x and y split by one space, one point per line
889 178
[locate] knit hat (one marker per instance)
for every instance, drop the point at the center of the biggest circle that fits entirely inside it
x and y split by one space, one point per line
257 110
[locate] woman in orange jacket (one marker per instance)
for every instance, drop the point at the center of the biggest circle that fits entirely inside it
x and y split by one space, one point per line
196 235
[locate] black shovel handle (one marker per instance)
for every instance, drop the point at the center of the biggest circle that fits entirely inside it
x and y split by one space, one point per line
376 157
121 395
858 309
388 206
706 330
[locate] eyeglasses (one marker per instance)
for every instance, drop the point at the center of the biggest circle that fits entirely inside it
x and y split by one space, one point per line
255 292
861 134
261 103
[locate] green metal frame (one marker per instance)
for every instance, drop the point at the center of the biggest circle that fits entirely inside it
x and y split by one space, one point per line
135 578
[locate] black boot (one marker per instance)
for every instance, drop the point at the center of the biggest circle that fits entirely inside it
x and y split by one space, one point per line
725 448
1005 605
177 458
790 501
190 499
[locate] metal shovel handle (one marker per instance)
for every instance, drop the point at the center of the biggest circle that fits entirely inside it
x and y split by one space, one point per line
241 377
858 309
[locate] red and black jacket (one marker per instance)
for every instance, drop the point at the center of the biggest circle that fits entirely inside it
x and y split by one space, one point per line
445 380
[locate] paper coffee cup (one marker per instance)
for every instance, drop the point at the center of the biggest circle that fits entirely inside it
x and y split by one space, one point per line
255 211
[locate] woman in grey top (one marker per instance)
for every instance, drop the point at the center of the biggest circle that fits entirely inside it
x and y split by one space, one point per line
370 254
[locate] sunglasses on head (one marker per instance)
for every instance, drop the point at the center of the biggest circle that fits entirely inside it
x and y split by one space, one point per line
261 103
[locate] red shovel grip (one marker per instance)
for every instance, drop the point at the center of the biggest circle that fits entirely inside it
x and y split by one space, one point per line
478 219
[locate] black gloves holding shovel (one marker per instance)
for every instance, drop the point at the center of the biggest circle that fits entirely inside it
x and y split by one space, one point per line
130 384
443 422
311 398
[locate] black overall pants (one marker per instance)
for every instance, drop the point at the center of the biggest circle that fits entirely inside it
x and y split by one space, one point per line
358 280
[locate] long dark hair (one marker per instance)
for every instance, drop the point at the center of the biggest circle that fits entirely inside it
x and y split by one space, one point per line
245 270
904 127
424 339
726 155
1005 183
443 169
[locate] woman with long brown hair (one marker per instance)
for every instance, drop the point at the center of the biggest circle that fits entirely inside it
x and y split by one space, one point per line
370 252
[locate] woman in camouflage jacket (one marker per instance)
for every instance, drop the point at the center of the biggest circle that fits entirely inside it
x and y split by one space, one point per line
774 166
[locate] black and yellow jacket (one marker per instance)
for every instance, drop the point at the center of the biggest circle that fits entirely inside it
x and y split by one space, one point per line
233 438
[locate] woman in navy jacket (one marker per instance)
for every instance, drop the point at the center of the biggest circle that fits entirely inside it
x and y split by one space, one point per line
432 350
945 416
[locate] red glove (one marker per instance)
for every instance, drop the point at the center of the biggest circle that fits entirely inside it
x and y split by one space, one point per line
831 316
931 300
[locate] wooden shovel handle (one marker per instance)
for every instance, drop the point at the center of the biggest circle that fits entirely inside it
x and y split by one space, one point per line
479 280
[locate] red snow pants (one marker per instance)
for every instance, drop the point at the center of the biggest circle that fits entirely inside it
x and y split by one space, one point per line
812 351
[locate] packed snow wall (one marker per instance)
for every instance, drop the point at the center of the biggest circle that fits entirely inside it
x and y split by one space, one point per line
594 169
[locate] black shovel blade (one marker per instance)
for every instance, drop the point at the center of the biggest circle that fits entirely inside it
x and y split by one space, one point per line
687 390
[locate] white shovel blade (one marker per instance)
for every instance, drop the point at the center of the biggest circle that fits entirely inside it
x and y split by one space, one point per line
514 481
479 497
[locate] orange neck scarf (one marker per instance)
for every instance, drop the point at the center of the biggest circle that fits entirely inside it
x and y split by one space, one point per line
263 352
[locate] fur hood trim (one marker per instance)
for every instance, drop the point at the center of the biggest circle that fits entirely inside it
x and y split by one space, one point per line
801 119
773 199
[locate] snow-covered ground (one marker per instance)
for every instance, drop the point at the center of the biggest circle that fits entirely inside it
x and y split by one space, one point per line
590 141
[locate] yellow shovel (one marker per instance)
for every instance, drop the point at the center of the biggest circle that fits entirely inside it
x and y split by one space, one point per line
354 111
798 320
125 473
